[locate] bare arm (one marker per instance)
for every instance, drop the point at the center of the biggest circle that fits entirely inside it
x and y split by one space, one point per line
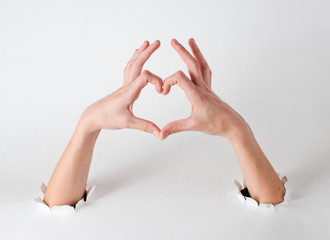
68 181
213 116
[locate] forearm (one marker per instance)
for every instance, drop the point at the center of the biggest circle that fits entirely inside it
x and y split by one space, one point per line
68 181
260 177
213 116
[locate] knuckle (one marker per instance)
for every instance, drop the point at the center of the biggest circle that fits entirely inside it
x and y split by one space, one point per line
166 85
180 74
194 63
174 129
146 73
145 127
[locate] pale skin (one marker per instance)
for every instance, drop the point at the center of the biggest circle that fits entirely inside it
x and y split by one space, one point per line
209 114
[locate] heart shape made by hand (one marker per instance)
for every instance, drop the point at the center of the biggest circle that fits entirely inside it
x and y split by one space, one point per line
199 84
161 109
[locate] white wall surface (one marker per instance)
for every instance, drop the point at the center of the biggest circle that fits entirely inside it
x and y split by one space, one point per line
270 62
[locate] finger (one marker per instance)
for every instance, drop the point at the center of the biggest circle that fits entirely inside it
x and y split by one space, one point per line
146 77
144 45
130 76
135 65
141 59
205 69
175 127
190 61
144 125
184 83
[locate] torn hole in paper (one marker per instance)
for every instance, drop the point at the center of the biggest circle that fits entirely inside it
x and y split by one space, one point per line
242 193
62 208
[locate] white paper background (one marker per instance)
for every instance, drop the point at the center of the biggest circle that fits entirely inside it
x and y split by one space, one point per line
270 61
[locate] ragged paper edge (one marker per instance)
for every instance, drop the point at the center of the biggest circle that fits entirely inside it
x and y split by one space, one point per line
248 201
62 209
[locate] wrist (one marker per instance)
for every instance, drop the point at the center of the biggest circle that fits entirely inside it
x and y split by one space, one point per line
87 124
239 132
84 134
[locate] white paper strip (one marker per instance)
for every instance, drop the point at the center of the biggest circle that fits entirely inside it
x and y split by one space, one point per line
63 209
248 201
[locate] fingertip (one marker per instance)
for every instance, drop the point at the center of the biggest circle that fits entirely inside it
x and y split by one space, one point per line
159 84
156 43
163 135
144 44
159 88
191 41
166 89
193 45
174 42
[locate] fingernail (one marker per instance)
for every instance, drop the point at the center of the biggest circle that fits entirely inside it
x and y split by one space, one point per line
193 40
155 133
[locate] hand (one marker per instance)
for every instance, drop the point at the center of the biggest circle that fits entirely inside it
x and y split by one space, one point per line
115 110
209 114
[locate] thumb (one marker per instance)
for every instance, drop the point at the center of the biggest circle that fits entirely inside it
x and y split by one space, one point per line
144 125
175 127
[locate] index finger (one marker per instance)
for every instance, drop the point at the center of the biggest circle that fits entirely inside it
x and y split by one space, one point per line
205 69
143 56
184 83
139 50
190 61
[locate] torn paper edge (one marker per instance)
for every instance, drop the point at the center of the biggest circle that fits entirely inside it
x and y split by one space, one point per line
62 209
248 201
